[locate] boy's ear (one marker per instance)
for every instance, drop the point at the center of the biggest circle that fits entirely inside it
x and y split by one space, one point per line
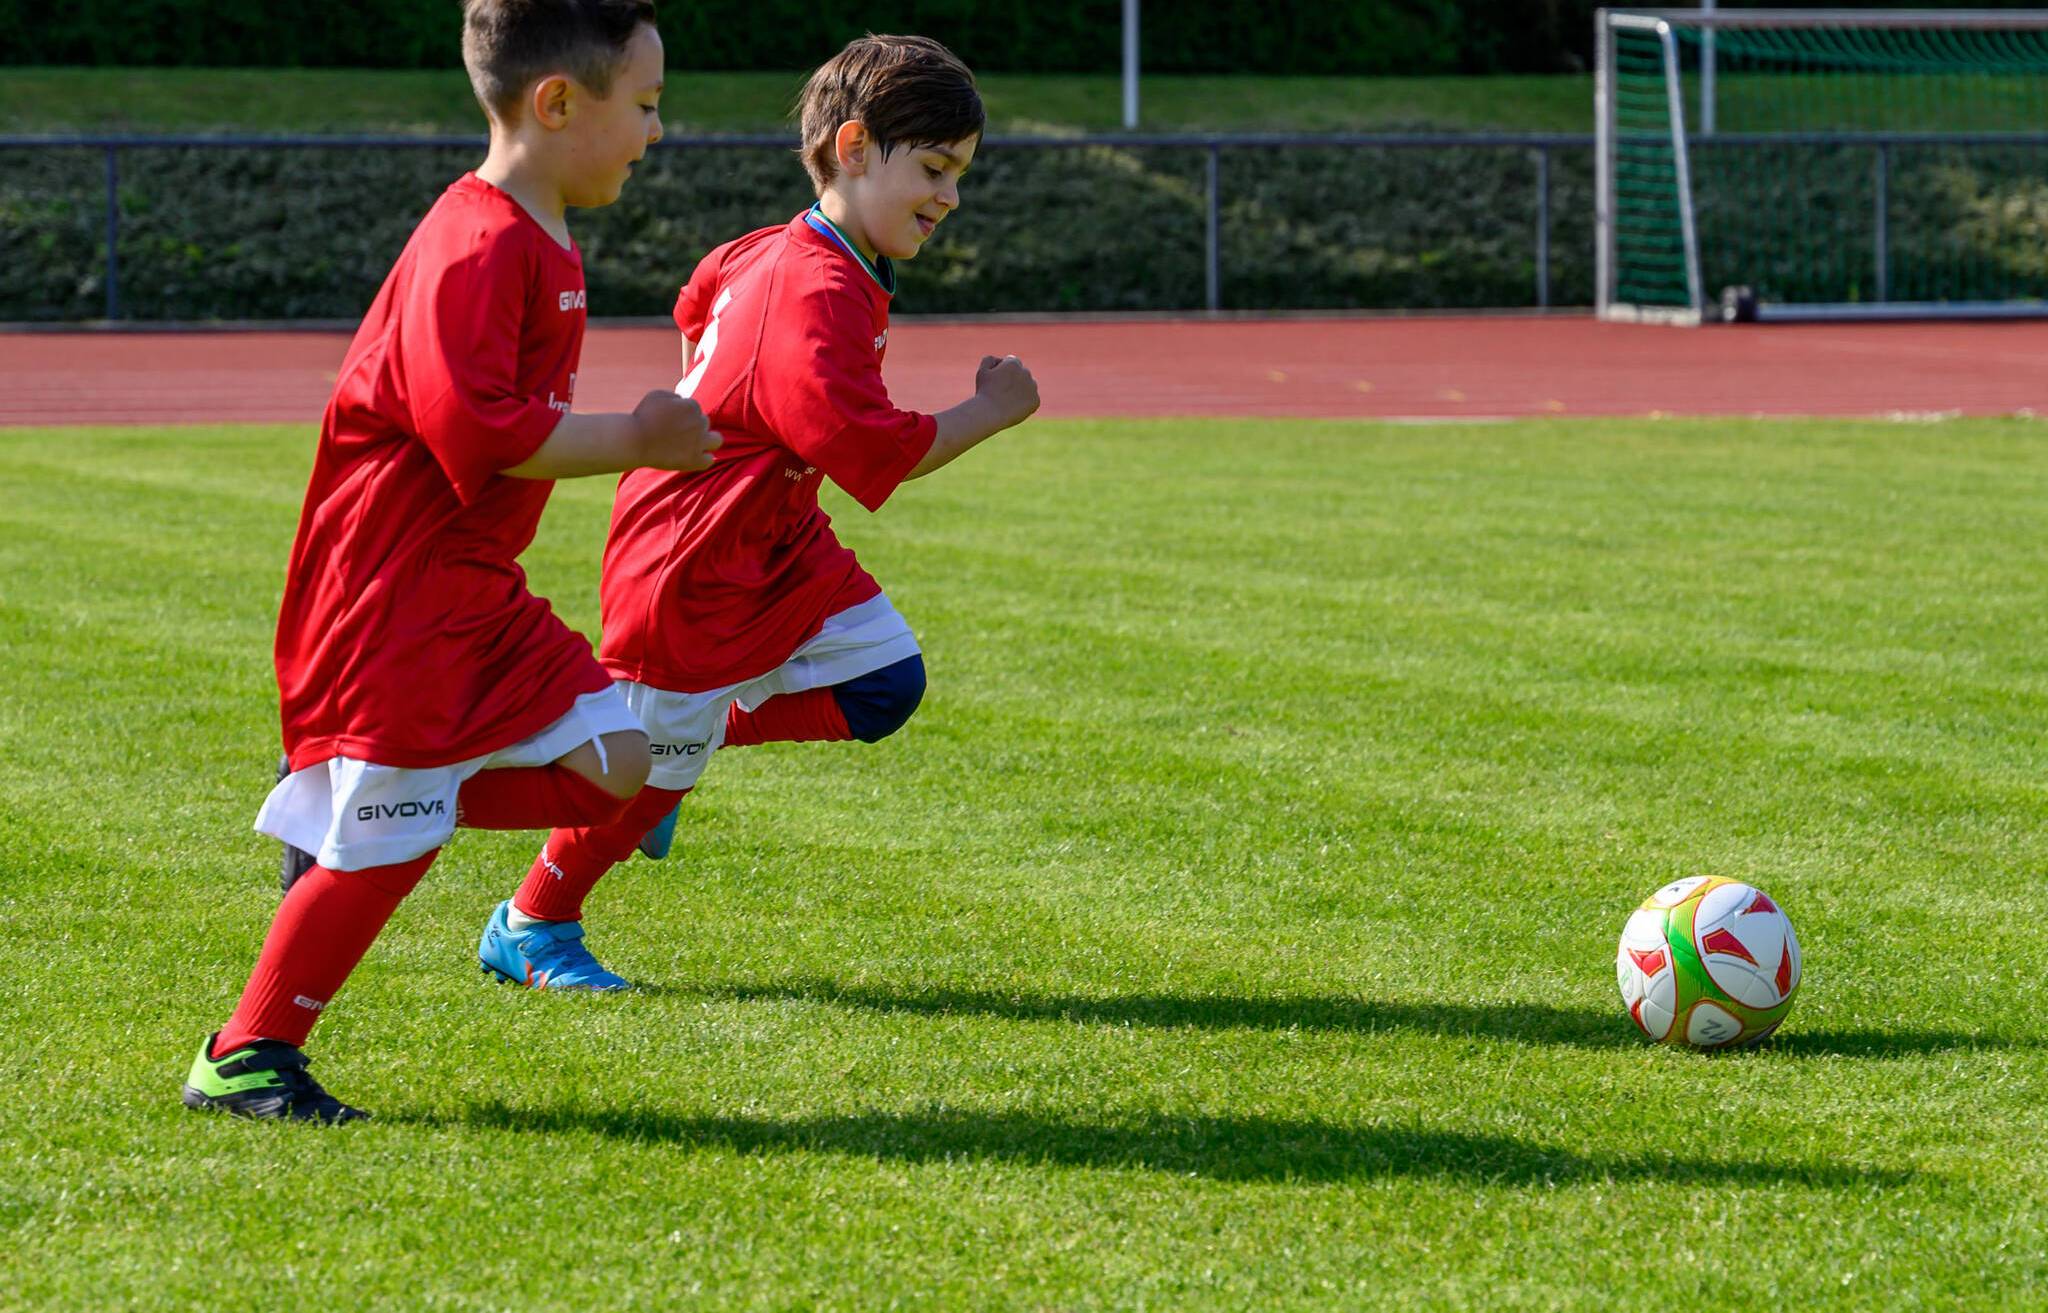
550 101
850 148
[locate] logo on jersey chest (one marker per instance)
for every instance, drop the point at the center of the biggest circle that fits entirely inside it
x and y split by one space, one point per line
798 475
573 300
881 340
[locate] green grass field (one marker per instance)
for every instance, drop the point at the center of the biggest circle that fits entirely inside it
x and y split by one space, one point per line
353 100
1232 928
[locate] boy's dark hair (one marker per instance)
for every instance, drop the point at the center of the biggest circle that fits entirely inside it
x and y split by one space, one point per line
905 90
507 44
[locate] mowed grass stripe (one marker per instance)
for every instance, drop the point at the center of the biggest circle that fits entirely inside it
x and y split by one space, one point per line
1232 926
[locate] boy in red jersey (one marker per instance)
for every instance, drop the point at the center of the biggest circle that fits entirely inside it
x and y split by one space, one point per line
732 615
422 684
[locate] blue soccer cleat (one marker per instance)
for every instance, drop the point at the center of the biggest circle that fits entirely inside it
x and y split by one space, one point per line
550 955
662 837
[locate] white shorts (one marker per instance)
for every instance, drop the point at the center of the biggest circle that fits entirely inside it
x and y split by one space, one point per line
352 814
684 729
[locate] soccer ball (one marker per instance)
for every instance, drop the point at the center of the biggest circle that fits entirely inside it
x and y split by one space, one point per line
1708 962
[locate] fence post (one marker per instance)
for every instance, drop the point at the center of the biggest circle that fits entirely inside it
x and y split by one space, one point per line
1130 64
1881 184
1543 227
1213 258
1707 95
113 235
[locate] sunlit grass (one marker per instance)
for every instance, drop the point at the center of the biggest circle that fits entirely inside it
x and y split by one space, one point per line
1231 928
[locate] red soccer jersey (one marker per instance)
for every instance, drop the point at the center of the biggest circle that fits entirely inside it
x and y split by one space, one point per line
717 577
407 635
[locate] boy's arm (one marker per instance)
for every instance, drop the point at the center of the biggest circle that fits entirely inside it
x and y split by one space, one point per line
815 386
1005 395
664 432
469 407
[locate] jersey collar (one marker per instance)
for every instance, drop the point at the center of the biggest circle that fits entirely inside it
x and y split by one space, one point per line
879 268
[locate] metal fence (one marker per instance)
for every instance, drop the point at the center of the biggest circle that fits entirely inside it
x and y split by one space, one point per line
1538 150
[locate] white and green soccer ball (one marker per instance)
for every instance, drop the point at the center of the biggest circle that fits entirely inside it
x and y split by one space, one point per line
1708 962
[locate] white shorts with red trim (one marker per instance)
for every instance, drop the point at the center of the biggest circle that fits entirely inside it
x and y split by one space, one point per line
353 814
684 728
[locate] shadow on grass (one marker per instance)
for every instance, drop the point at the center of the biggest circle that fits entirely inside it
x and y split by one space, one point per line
1522 1023
1221 1148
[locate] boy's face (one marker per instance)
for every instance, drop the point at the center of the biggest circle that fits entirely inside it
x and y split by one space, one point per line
605 136
896 202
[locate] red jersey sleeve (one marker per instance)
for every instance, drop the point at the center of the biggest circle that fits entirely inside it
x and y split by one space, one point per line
818 387
693 303
462 366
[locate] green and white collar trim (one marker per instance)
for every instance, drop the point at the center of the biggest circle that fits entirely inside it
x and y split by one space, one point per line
879 268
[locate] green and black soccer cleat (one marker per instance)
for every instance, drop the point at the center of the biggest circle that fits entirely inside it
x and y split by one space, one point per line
268 1080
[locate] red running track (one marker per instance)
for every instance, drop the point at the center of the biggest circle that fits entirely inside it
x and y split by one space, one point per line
1420 368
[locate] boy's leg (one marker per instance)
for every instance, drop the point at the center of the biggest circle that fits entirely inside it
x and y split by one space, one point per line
812 716
297 861
586 786
321 931
868 707
584 790
572 861
581 770
535 937
859 677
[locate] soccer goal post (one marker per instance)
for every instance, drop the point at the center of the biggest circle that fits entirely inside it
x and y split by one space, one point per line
1820 164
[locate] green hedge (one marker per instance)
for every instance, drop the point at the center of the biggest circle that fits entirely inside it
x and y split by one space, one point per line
1413 37
273 233
276 233
1336 37
1798 223
233 33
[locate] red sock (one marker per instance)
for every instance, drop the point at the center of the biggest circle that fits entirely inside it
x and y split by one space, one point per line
533 798
321 931
572 861
812 716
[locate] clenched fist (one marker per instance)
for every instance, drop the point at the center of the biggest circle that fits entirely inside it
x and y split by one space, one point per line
674 435
1008 386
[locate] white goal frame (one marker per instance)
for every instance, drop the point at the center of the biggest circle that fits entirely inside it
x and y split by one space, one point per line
1664 25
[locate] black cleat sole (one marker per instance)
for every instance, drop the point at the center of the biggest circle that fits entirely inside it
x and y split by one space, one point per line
340 1114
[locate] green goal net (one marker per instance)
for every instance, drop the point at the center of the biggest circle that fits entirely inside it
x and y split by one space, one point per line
1822 163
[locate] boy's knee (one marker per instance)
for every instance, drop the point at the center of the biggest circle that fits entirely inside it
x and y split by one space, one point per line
627 762
878 703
